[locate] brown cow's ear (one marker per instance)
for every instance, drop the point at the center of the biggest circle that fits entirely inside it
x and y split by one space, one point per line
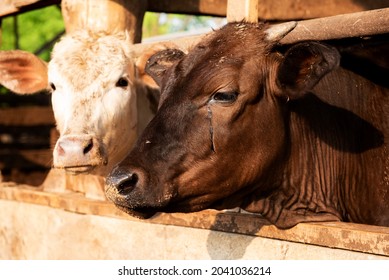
22 72
158 63
303 66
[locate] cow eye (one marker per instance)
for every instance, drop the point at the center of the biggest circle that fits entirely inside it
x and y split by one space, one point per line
122 82
52 86
225 96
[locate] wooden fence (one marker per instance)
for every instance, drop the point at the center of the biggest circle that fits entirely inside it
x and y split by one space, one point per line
38 224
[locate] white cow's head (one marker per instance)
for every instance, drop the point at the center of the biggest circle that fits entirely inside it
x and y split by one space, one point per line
95 96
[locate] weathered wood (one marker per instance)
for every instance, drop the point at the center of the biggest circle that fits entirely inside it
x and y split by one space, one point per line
10 7
29 116
341 26
267 9
270 9
16 100
283 10
352 25
238 10
90 186
105 15
354 237
32 231
195 7
26 159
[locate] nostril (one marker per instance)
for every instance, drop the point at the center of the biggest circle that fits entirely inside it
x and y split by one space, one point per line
88 147
127 183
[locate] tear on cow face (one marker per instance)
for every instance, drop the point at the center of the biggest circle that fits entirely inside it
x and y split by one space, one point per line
91 78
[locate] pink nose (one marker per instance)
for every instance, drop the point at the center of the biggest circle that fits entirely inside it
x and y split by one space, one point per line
77 151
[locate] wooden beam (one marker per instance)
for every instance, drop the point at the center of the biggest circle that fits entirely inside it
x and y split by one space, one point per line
26 159
11 7
267 9
361 24
341 26
279 10
348 236
283 10
105 15
27 116
238 10
194 7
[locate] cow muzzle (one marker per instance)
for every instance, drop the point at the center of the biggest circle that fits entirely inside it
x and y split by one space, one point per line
120 185
78 153
130 191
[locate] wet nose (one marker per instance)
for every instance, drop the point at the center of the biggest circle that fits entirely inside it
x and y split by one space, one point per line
77 150
74 145
123 181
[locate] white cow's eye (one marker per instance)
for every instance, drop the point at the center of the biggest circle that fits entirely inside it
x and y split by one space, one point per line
122 82
52 86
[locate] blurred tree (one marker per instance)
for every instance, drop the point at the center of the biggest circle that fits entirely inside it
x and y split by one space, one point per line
34 30
160 23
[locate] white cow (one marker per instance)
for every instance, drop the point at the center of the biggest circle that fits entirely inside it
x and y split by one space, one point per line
100 104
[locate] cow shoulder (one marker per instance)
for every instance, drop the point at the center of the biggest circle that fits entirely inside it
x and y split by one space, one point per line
303 66
22 72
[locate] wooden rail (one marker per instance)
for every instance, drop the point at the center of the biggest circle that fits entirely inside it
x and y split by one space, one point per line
353 237
348 236
352 25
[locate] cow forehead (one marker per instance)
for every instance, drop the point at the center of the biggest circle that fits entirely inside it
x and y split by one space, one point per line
217 60
230 43
83 56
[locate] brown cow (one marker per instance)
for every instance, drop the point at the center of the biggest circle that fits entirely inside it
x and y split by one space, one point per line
289 135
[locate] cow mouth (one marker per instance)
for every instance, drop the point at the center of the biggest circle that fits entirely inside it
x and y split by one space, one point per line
79 169
140 213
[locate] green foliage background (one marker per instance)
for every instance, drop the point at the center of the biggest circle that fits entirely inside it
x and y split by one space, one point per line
35 29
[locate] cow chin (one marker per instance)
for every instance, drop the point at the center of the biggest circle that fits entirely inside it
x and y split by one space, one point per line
75 170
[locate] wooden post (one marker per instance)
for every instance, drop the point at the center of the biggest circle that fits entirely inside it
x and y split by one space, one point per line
105 15
238 10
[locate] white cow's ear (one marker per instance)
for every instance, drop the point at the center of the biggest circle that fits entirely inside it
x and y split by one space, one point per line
22 72
303 66
160 62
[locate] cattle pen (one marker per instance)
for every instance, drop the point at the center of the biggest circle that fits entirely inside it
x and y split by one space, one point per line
56 222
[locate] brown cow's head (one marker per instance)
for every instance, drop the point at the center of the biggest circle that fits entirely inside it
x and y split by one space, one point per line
220 131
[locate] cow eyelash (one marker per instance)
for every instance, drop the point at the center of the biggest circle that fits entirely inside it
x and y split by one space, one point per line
225 96
122 82
52 86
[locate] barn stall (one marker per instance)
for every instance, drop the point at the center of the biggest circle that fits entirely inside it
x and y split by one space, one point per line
56 222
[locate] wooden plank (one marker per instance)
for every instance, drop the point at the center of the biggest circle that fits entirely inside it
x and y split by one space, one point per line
341 26
27 116
348 236
270 9
238 10
283 10
194 7
26 159
10 7
16 100
105 15
352 25
267 9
